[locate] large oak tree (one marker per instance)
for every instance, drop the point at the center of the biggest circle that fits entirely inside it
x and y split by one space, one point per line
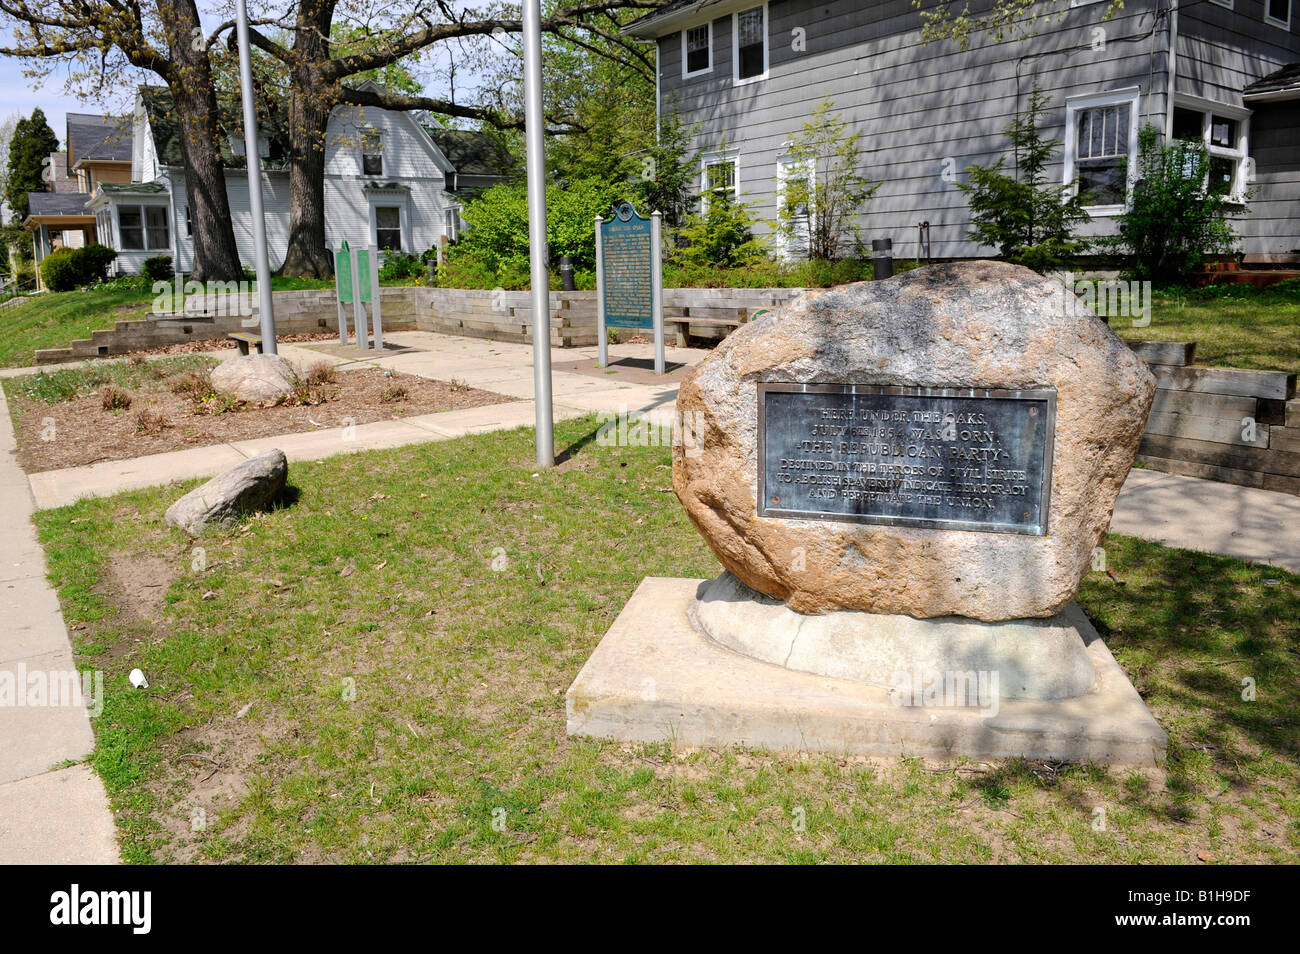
319 77
100 42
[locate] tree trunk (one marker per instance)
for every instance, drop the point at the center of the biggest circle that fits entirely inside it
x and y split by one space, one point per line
307 256
216 256
310 103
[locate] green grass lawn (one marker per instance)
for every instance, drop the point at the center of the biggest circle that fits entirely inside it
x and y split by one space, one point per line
55 319
376 672
1247 332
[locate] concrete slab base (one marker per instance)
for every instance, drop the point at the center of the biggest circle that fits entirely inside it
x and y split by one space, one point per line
653 678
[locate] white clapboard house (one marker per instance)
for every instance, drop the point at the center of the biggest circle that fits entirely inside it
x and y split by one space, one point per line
387 183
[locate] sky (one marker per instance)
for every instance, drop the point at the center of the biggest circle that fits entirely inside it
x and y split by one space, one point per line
18 94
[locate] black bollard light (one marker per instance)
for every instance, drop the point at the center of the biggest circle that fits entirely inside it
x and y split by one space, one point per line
566 273
882 258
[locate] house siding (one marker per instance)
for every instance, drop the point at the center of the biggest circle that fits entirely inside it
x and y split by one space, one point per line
408 161
1220 52
918 105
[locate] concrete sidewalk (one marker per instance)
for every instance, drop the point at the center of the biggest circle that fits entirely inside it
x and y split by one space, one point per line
48 815
1262 526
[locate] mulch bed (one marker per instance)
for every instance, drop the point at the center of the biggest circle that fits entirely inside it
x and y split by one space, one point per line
226 344
85 433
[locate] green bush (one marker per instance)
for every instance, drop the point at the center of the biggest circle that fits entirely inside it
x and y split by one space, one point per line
721 235
1029 221
94 261
67 268
497 239
158 269
61 270
400 267
1174 220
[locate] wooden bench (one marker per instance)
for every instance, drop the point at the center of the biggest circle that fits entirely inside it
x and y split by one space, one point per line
680 325
244 339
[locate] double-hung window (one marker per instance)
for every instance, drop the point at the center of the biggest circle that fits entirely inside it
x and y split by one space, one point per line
1100 148
388 227
749 44
697 50
721 176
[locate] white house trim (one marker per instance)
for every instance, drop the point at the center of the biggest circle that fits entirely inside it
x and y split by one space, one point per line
1130 96
686 73
735 47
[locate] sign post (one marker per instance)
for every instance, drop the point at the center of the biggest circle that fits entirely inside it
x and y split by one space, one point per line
356 277
629 278
602 335
343 287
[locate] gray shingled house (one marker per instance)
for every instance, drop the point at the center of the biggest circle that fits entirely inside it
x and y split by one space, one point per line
1223 71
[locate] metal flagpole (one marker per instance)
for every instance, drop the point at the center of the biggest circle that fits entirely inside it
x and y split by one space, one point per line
602 336
252 154
538 252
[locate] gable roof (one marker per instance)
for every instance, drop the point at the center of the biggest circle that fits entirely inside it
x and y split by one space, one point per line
1281 84
470 153
103 138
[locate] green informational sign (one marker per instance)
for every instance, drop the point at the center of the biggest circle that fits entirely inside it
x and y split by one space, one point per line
626 259
343 273
363 274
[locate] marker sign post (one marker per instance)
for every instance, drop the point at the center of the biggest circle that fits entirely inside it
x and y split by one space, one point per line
629 277
356 278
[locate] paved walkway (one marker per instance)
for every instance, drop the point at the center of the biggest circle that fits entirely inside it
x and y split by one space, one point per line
50 814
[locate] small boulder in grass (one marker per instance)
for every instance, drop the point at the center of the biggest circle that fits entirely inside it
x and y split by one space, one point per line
244 489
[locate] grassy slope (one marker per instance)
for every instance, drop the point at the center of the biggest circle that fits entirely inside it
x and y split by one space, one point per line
54 319
460 671
1229 333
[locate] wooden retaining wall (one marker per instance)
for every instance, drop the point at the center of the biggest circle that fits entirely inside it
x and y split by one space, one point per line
1239 427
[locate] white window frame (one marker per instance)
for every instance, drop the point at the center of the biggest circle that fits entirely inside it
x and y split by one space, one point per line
1130 96
361 151
787 169
402 200
144 226
1281 24
716 159
735 46
1208 109
1223 3
686 74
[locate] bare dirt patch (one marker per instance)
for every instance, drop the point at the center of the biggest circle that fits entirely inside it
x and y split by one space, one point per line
157 411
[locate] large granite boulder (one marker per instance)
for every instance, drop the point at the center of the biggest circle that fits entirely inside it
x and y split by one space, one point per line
255 378
977 325
245 488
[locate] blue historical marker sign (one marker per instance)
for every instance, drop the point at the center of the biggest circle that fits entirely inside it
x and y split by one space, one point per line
627 256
